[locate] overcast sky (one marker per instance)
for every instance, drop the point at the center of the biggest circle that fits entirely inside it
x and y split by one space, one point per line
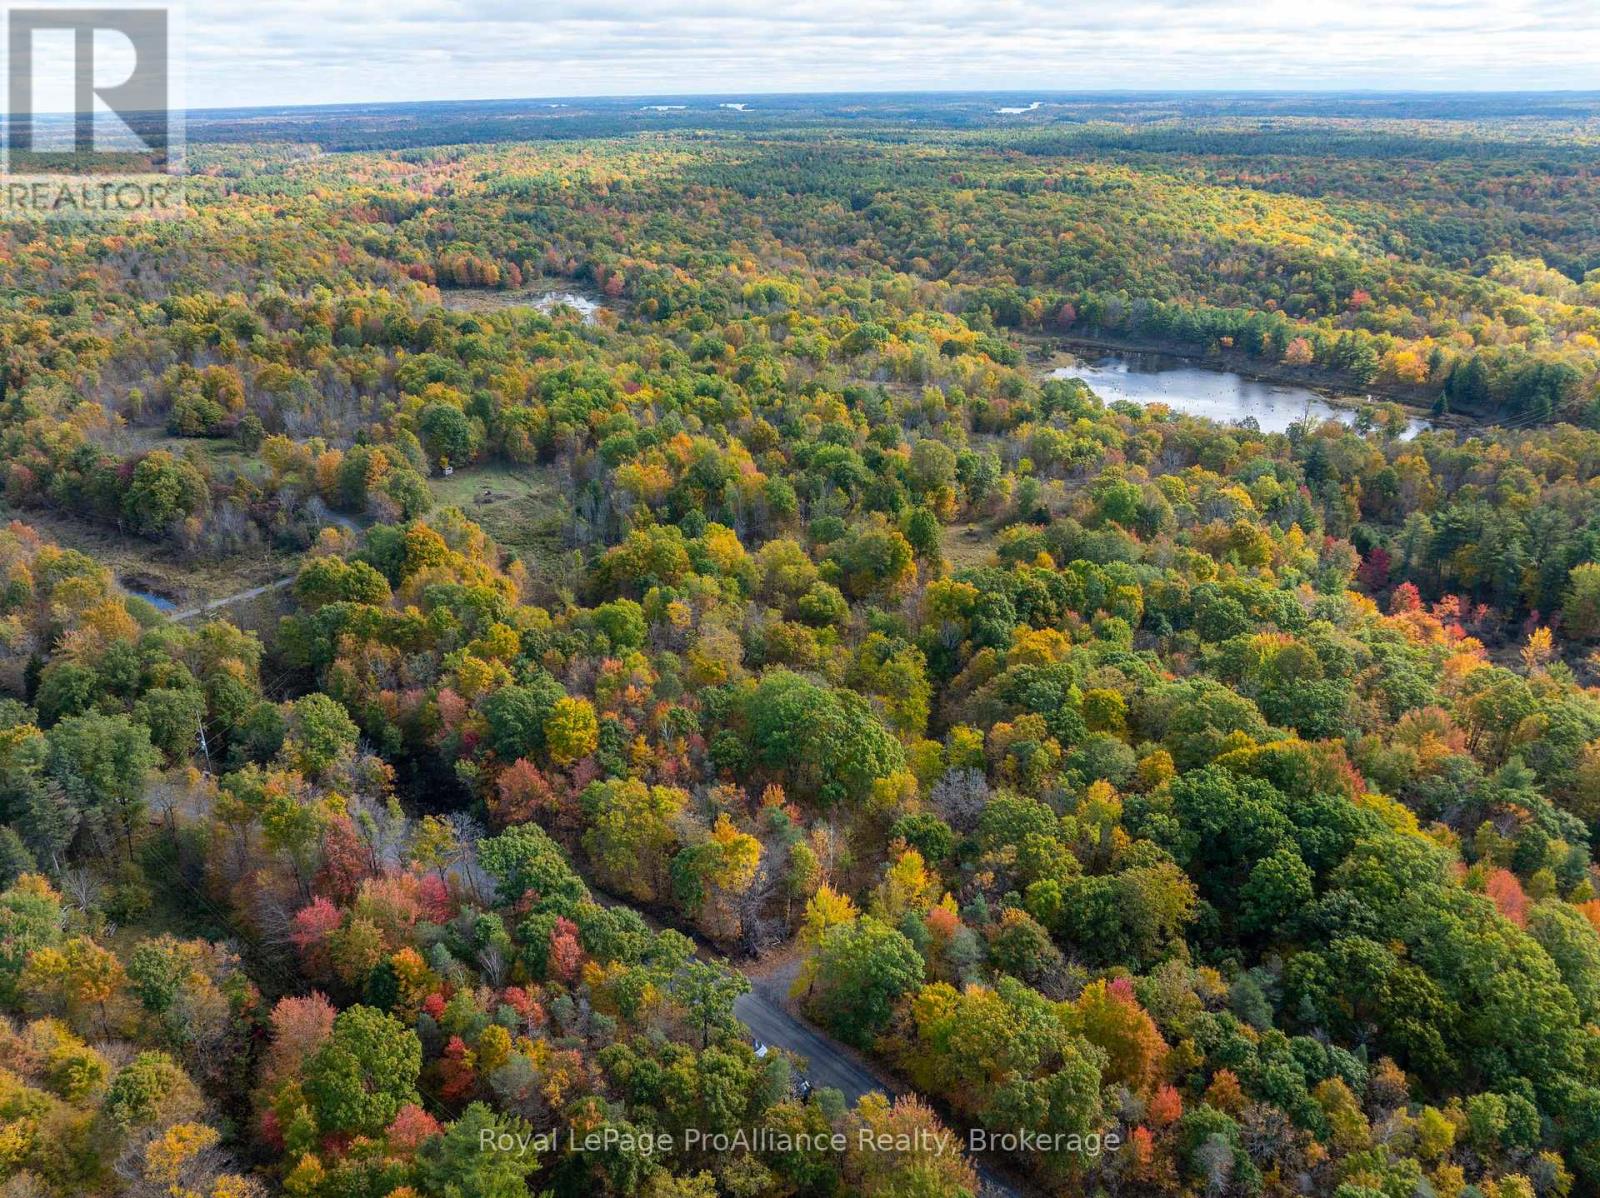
324 51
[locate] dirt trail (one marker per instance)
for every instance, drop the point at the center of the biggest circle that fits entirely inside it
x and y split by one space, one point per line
229 600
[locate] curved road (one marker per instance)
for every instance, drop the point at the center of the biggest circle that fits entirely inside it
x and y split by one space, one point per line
827 1062
765 1014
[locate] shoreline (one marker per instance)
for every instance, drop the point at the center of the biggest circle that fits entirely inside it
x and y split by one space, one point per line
1236 362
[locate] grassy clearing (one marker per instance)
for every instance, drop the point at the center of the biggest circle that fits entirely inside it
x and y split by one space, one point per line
154 567
521 507
966 545
221 454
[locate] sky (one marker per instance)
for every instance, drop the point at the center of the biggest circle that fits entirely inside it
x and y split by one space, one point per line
274 52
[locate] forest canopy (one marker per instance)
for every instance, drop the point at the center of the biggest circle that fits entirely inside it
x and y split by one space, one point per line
666 577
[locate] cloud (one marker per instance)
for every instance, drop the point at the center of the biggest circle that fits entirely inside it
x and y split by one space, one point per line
308 51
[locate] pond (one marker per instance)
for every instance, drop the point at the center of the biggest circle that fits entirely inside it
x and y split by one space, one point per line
491 299
581 304
138 588
1219 395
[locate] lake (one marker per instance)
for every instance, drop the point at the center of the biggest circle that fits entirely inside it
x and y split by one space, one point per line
1219 395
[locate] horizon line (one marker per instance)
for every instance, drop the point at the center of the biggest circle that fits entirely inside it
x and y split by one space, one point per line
976 93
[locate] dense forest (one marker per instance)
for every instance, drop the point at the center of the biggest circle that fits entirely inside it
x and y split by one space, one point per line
691 576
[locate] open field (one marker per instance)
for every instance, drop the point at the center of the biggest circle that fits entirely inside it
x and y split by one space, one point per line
966 545
521 507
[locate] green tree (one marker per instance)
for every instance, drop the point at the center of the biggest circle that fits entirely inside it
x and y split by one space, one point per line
162 491
458 1165
828 742
1580 606
1574 946
149 1090
1208 719
933 465
173 715
15 859
324 580
1022 948
515 717
31 918
1278 888
862 969
367 1071
102 763
67 688
409 492
524 859
447 433
707 993
319 734
623 623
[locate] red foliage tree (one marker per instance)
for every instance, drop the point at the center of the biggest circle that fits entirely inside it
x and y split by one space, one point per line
566 954
1406 598
1166 1107
521 792
300 1026
457 1076
1506 893
435 899
345 862
412 1126
1374 571
309 932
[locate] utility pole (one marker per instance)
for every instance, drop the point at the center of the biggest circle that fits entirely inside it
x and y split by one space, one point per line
204 748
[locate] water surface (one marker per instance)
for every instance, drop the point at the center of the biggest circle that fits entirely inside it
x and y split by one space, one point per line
1219 395
138 590
493 299
581 304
